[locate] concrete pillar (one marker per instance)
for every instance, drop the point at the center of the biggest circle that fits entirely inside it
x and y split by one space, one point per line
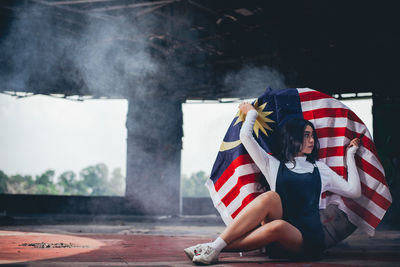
153 154
385 111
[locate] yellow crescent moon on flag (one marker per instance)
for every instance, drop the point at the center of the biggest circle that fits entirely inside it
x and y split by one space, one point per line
229 145
260 124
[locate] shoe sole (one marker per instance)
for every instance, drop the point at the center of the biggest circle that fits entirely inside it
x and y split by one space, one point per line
189 254
204 263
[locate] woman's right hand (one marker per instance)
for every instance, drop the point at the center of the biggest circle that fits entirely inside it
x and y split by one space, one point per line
354 145
355 142
244 107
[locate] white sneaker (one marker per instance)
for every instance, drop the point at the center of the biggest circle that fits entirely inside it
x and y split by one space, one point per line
208 255
193 251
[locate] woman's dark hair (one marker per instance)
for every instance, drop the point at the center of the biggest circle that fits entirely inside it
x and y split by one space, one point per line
292 134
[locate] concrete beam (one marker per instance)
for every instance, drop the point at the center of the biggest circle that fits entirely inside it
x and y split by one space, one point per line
153 157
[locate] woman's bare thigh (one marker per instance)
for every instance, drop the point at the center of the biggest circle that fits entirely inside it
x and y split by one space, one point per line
277 231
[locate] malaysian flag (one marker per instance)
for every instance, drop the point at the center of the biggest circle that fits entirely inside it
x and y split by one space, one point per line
234 180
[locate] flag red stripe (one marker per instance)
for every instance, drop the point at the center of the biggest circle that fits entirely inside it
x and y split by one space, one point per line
331 152
330 112
375 197
339 170
362 212
313 95
343 131
234 192
246 201
369 144
241 160
370 194
370 169
335 131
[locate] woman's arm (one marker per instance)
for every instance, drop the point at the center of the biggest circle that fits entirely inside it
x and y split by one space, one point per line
352 187
260 157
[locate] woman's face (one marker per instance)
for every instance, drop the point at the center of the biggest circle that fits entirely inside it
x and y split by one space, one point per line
308 141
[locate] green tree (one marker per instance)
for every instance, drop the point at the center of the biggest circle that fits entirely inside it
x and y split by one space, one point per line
193 186
29 185
117 183
44 183
18 184
3 182
66 181
96 179
93 180
70 185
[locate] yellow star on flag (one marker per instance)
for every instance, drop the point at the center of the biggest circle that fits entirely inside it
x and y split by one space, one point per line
261 121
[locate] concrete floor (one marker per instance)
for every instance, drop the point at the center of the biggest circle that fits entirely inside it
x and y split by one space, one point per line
158 241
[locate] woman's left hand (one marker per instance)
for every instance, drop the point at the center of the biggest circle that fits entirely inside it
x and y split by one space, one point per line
245 107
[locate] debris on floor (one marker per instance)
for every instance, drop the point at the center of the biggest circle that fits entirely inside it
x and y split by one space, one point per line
53 245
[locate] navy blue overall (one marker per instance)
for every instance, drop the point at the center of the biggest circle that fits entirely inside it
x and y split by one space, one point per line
300 194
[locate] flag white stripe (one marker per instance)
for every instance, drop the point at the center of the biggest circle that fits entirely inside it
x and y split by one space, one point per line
355 219
342 123
244 192
333 141
363 152
372 206
373 184
364 176
333 121
322 103
218 204
369 157
232 181
214 196
336 161
302 90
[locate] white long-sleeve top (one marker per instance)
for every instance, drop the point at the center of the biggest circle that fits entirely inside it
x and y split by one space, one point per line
269 165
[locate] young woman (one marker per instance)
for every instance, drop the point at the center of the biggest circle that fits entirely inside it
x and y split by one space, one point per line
288 215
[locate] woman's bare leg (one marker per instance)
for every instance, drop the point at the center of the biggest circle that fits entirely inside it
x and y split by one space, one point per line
282 232
266 206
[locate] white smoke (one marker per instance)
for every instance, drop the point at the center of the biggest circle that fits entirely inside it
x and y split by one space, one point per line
99 56
114 57
251 81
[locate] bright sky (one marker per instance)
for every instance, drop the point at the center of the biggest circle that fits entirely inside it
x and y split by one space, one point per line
42 132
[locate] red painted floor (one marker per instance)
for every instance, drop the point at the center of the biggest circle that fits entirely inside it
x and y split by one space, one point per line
161 250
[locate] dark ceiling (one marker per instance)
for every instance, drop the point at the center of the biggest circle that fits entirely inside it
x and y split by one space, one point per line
331 46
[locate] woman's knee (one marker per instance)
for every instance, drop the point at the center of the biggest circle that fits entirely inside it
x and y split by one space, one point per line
269 197
275 228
